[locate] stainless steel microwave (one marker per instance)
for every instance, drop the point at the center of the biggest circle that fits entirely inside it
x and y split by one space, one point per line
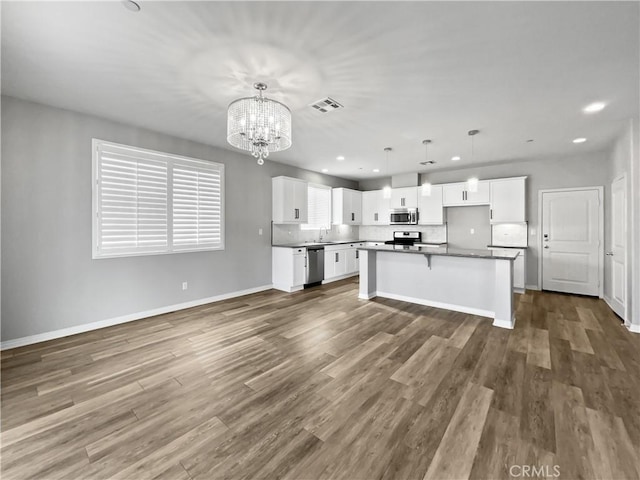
403 216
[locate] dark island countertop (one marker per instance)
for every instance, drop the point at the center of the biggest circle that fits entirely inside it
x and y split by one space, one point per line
315 244
445 251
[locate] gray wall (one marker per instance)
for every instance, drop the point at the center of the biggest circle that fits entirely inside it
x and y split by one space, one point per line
578 171
460 221
49 280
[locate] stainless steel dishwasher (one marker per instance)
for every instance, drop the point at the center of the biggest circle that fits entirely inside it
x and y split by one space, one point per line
315 266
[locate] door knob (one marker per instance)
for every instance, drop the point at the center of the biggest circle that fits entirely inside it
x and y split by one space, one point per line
610 254
546 246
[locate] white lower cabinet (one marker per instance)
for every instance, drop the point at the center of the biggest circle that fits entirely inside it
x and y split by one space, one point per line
519 267
341 261
289 268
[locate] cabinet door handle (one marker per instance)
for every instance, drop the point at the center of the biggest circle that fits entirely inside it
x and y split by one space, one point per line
491 213
357 254
336 257
353 216
305 261
402 202
295 213
375 217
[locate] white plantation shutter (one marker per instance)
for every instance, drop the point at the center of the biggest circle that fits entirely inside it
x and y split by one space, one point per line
197 206
319 207
148 202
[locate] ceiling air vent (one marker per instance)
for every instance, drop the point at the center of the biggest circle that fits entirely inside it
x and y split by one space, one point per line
326 105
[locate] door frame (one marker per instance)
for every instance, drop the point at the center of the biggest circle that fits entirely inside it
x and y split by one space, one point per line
539 242
607 300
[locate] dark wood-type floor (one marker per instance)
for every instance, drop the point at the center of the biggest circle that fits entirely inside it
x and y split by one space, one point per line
319 384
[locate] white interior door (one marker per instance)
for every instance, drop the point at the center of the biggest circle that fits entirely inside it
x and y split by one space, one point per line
571 229
618 252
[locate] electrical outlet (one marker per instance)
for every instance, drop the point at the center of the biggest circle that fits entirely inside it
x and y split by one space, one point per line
473 231
259 231
185 285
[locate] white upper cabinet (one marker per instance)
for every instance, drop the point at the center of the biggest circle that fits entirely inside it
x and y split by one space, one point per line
459 194
347 206
375 208
289 200
430 210
405 197
508 200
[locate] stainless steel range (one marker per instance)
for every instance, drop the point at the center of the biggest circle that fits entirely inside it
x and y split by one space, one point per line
405 238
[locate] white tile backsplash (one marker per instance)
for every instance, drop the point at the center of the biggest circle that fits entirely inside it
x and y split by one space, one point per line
283 234
509 234
430 234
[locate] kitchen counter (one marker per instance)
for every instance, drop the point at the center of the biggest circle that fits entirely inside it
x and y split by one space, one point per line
477 282
507 246
316 244
444 251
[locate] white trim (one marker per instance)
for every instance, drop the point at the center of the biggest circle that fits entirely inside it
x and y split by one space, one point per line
532 287
505 324
362 296
539 242
634 225
633 328
87 327
341 277
445 306
287 288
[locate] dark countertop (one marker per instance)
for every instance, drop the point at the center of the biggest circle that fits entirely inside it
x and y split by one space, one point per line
343 242
504 246
314 244
444 251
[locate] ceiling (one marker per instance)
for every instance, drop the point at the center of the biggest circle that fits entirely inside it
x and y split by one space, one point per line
404 71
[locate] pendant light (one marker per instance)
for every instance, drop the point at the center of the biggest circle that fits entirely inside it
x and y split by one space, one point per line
472 183
259 124
386 191
426 187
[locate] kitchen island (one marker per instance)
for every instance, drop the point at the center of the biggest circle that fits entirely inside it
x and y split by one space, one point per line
479 282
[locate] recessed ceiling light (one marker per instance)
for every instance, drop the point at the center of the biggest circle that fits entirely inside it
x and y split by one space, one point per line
376 170
131 5
579 140
340 158
325 170
594 107
455 159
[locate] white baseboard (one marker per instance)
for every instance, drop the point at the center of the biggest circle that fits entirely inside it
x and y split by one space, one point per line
532 287
86 327
445 306
632 327
286 288
341 277
363 296
505 324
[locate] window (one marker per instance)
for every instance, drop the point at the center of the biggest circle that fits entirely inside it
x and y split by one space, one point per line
148 202
319 207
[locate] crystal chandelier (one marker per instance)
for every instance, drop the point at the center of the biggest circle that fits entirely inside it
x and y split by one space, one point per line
259 125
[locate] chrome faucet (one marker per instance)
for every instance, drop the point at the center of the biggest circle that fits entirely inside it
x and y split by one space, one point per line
320 237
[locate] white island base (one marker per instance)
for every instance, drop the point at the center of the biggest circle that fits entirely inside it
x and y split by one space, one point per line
479 286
